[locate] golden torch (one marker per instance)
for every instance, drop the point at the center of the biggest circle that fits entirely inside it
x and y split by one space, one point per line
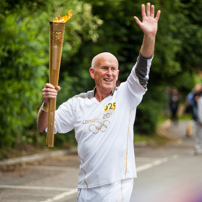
56 36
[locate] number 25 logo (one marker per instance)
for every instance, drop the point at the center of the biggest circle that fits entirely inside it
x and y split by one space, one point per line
110 106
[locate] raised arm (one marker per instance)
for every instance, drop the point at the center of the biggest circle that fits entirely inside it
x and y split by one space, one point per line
149 26
49 91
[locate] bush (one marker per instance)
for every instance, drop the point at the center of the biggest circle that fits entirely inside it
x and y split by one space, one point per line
148 113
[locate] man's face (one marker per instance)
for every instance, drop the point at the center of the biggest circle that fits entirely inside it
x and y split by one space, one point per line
105 73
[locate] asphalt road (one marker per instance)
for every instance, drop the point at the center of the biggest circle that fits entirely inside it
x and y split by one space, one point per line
168 173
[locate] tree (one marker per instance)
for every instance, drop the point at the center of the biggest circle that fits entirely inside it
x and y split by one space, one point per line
24 38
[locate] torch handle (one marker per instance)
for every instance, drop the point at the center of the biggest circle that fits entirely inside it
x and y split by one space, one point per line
51 121
56 35
53 79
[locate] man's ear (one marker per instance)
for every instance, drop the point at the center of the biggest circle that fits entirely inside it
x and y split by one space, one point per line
91 70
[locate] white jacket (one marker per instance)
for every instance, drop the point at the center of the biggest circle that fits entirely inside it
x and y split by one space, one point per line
104 130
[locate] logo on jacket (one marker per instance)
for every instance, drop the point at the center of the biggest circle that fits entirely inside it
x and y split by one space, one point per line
102 127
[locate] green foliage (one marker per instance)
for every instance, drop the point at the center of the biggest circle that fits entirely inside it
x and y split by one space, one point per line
66 90
149 111
22 60
24 38
95 26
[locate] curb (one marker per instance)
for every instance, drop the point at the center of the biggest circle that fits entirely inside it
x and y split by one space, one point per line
35 157
161 131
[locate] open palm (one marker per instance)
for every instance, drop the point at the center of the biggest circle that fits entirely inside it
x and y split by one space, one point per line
149 24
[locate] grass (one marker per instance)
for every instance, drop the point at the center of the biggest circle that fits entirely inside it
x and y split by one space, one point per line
150 139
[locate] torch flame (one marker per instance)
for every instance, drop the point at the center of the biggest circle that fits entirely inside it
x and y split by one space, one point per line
63 19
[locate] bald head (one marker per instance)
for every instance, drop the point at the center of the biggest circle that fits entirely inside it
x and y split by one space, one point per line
96 62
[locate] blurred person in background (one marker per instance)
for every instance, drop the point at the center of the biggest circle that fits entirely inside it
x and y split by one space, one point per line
191 107
190 103
174 104
196 95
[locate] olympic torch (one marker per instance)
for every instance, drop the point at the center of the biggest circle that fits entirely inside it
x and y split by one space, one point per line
56 37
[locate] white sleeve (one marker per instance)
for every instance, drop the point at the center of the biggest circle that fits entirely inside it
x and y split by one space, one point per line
64 117
199 106
137 80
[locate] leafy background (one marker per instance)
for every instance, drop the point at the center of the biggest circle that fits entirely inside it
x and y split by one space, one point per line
95 26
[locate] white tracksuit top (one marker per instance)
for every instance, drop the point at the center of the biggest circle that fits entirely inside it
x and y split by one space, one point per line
104 130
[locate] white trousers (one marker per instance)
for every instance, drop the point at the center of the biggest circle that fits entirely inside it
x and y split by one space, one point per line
198 138
116 192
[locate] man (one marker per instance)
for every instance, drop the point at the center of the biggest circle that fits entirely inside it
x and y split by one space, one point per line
103 120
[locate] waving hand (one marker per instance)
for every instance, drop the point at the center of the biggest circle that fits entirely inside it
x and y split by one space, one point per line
149 26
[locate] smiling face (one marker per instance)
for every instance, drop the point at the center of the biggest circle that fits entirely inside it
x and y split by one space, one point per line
105 72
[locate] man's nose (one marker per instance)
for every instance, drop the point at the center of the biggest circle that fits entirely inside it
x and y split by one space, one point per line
109 71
